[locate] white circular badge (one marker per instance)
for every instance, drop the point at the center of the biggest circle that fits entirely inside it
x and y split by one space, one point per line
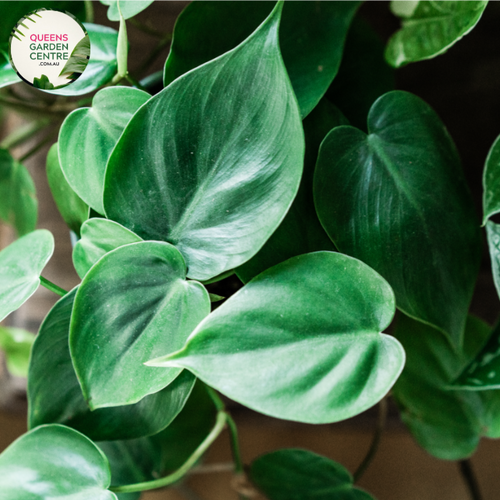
49 49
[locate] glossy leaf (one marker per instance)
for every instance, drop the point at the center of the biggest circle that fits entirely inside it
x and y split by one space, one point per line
447 423
99 236
88 135
415 224
55 396
430 28
493 235
102 64
300 232
142 307
311 36
128 8
294 474
325 304
7 75
72 208
54 462
78 60
216 196
21 264
18 203
491 182
16 344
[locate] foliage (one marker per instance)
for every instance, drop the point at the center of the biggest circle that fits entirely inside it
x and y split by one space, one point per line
279 156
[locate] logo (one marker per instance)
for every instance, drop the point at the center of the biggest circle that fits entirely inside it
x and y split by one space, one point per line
49 49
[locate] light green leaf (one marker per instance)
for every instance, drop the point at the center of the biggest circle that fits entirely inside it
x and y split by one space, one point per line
88 135
128 8
142 307
325 304
21 264
416 223
54 461
79 58
16 344
72 208
217 196
311 38
491 182
55 396
294 474
430 28
99 236
493 235
18 203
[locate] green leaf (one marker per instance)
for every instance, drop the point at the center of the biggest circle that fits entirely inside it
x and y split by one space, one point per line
311 37
491 182
294 474
430 28
142 307
325 304
54 461
79 58
446 423
55 396
102 64
493 235
99 236
416 223
216 196
21 264
43 83
128 8
18 203
73 209
7 75
88 135
300 232
16 344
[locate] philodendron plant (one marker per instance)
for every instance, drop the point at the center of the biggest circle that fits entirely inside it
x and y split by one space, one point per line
272 152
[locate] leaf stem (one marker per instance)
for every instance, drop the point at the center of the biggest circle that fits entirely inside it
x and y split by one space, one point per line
89 11
470 479
220 423
372 451
52 286
23 133
122 48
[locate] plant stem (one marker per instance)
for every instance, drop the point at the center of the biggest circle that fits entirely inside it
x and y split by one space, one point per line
38 146
382 417
89 11
122 48
52 286
470 479
134 82
23 133
179 473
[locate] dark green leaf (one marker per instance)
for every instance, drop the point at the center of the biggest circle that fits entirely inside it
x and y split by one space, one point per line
430 28
142 307
54 461
79 58
99 236
397 199
88 135
493 235
7 75
325 304
21 264
312 36
294 474
43 83
128 8
73 209
55 396
216 196
491 182
300 232
16 344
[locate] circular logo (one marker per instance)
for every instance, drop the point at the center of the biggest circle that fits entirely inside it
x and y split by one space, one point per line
49 49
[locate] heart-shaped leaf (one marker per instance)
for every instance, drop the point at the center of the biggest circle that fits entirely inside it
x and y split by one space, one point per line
88 135
294 474
55 396
300 232
491 182
142 307
21 264
99 236
73 209
415 224
447 423
311 36
128 8
102 64
325 304
430 28
216 196
16 344
18 203
54 461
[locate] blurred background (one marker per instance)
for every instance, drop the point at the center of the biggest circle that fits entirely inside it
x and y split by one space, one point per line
463 86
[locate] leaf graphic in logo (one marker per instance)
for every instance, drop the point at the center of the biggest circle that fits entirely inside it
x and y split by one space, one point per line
78 60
